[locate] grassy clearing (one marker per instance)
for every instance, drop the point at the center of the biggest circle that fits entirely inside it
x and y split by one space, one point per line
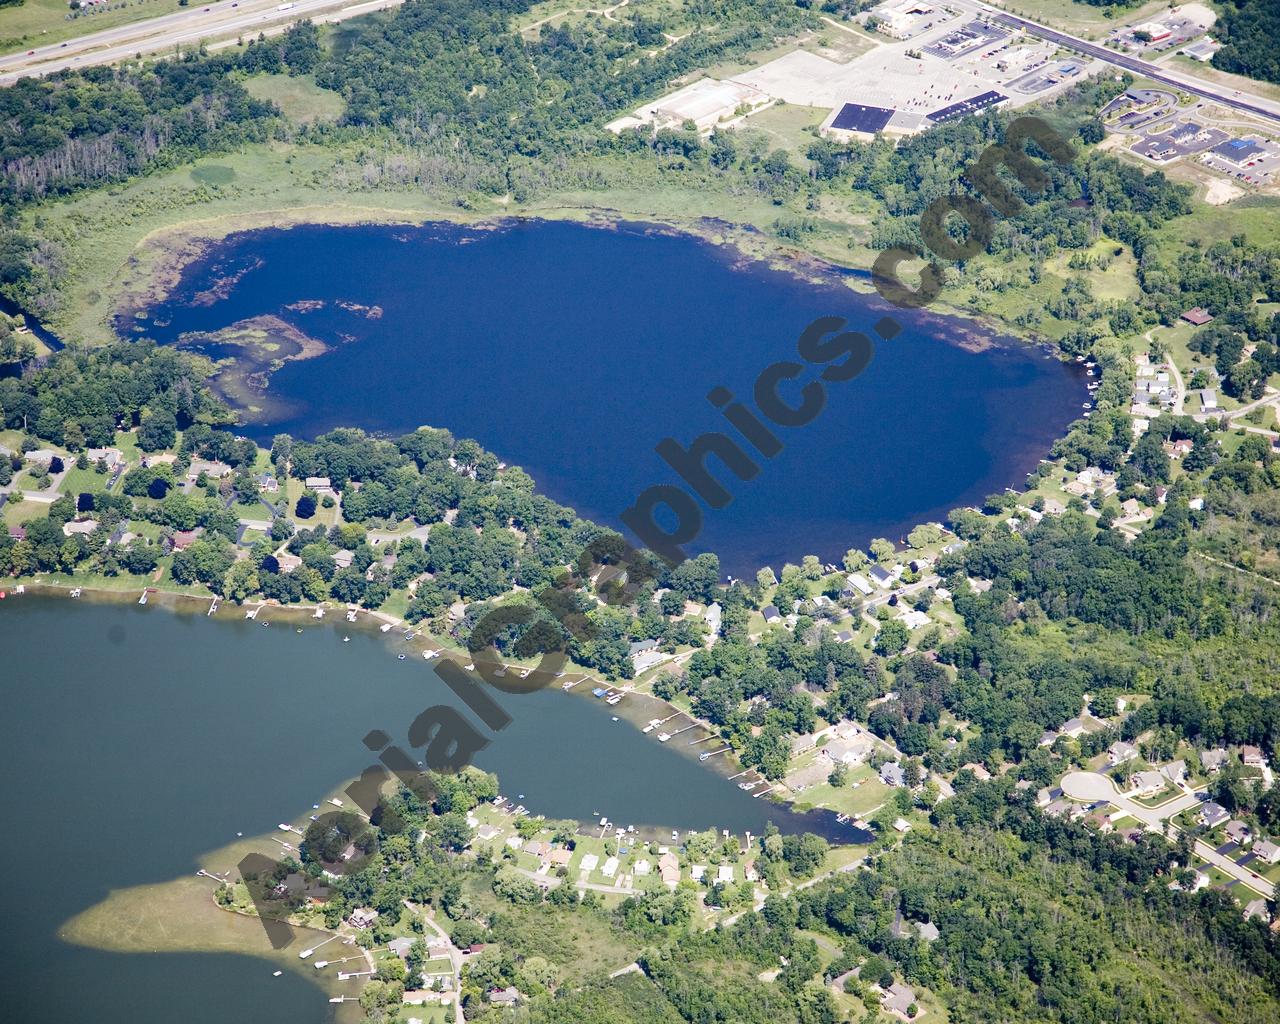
301 100
1080 19
786 126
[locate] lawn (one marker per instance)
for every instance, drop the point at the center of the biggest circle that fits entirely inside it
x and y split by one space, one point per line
78 481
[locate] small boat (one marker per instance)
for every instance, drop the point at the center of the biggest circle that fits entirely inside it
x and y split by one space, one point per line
663 737
276 974
428 655
653 724
385 627
599 692
346 639
76 592
402 657
614 699
615 718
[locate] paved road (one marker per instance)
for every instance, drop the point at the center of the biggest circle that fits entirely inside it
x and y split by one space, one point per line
1229 97
1091 786
183 30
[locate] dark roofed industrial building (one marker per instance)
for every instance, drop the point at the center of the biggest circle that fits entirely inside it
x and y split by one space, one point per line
854 117
966 107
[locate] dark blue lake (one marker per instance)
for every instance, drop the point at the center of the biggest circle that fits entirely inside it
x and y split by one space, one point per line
573 350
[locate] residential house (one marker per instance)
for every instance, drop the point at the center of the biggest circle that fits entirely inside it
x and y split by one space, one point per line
696 871
1048 795
749 871
183 539
1267 851
268 483
724 874
319 484
363 917
538 848
641 867
901 825
343 559
400 947
857 584
1238 832
1252 757
898 999
1212 815
928 931
485 833
212 470
1119 752
508 996
1208 400
17 532
849 752
1197 316
560 857
589 862
1213 760
1174 771
610 867
669 869
1146 783
891 774
83 527
979 772
1257 909
111 456
884 577
287 561
771 614
713 617
1073 727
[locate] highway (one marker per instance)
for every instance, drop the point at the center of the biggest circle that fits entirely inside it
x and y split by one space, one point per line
182 30
1206 90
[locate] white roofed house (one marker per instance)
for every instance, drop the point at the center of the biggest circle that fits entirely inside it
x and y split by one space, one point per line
1146 783
1119 752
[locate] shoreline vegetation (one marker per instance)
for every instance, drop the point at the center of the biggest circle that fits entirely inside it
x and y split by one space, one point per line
986 694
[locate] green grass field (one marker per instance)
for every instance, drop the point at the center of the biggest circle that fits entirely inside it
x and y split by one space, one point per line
301 100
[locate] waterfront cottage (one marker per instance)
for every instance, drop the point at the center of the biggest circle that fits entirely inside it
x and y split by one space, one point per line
669 869
363 917
891 774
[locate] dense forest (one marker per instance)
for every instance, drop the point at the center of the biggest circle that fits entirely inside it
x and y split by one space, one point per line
1247 30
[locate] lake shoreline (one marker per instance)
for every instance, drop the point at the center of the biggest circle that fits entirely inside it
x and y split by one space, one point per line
161 256
180 602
